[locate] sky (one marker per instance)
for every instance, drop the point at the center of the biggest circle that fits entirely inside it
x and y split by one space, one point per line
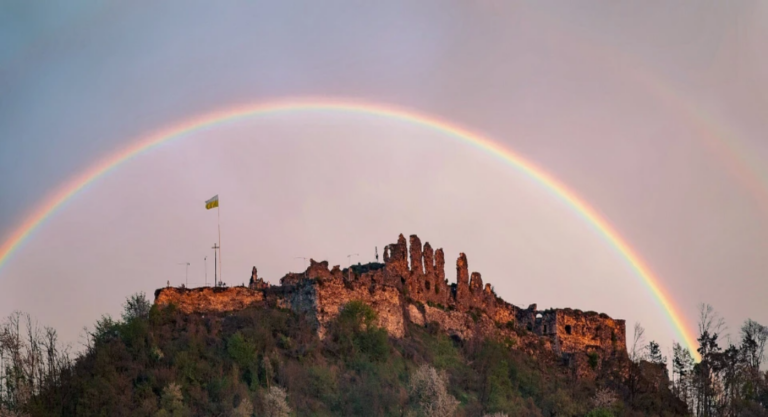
653 113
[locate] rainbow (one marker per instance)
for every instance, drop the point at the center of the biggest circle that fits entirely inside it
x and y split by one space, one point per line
63 194
719 140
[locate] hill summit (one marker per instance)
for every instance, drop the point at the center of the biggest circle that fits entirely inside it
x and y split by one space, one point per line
379 339
417 292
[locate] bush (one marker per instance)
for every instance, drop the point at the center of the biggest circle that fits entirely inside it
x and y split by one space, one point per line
136 307
172 402
357 334
593 359
274 403
428 393
357 315
242 352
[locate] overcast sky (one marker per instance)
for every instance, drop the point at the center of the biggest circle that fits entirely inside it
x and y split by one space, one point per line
653 112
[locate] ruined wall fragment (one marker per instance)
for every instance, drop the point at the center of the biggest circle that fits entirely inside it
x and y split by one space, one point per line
415 250
462 280
429 259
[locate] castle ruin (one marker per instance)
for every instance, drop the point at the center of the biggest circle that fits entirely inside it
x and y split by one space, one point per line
417 292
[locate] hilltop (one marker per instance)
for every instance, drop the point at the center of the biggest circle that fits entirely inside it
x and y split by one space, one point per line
417 292
392 338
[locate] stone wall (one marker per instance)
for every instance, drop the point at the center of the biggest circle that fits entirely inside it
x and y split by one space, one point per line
208 299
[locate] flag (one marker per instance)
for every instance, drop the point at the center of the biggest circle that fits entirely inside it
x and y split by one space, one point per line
212 203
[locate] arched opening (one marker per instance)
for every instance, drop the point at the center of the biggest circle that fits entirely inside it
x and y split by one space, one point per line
568 329
545 329
538 316
426 285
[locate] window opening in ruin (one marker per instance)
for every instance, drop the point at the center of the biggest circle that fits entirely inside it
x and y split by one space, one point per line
426 285
538 316
568 329
545 328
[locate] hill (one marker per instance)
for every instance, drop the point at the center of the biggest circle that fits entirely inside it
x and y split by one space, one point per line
377 339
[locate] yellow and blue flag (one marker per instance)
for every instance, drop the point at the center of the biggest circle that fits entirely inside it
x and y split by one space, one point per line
212 203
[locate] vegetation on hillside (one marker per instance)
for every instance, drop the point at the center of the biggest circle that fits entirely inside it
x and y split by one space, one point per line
270 362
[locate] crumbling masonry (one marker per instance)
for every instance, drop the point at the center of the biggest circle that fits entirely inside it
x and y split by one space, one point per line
418 292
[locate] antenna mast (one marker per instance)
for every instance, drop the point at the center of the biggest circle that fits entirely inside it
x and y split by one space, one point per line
215 261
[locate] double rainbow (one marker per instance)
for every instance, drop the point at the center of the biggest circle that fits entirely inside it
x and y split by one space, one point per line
63 194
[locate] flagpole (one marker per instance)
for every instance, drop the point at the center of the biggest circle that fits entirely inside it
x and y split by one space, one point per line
221 269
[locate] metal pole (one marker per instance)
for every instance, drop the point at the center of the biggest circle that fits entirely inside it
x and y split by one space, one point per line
215 247
218 215
205 260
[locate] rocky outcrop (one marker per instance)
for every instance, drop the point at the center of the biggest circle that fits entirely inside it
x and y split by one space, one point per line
418 293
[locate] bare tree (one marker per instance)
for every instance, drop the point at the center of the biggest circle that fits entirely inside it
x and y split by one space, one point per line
30 358
639 347
711 322
636 354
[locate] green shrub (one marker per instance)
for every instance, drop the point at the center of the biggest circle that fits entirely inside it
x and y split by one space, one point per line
356 332
593 358
357 315
242 352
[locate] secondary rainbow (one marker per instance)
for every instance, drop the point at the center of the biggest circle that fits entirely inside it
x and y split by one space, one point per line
63 194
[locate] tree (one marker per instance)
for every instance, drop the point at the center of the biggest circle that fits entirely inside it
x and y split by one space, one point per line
136 307
654 353
244 409
429 394
636 354
682 367
274 403
172 402
710 327
638 344
604 399
753 340
30 359
730 367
